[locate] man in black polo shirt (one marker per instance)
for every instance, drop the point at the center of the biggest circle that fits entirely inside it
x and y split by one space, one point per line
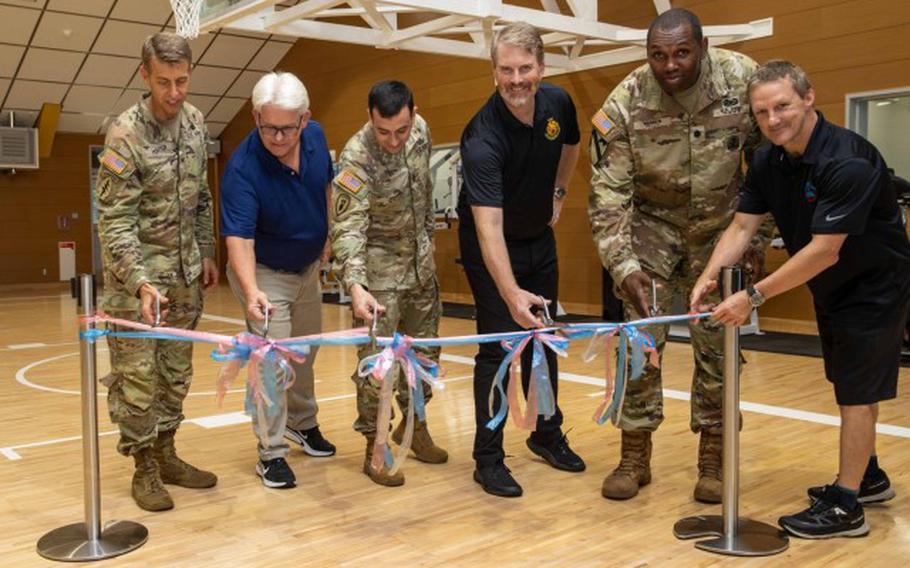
832 199
518 154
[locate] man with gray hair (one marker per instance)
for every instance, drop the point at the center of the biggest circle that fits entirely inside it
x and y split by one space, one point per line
518 154
274 199
155 227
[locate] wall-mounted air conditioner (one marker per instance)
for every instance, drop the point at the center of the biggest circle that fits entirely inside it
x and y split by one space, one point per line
18 148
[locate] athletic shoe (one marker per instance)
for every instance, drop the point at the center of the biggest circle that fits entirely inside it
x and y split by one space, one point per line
825 519
276 473
875 490
496 479
558 454
311 440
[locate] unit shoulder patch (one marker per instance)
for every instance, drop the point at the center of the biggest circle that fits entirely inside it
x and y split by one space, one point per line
552 130
350 182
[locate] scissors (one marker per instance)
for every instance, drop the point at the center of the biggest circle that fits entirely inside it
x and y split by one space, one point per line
265 325
157 309
655 309
545 318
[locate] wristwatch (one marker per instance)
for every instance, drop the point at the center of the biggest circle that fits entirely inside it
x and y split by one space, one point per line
755 297
559 192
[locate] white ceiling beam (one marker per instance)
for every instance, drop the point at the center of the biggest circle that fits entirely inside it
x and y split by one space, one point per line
236 12
662 6
476 8
550 6
374 17
567 24
302 10
426 28
586 9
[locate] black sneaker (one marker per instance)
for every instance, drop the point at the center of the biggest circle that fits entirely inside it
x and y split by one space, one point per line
825 519
276 473
875 490
312 441
558 454
497 480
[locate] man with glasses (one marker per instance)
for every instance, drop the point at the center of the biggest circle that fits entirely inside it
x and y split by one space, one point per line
274 215
382 238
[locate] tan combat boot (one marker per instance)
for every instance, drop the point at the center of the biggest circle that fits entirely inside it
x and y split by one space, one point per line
381 477
709 488
422 444
634 469
176 471
148 491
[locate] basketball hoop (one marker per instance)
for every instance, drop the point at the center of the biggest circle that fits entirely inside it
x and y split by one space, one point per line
186 14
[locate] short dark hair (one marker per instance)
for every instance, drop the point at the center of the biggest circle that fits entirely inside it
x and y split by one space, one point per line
674 18
389 97
166 47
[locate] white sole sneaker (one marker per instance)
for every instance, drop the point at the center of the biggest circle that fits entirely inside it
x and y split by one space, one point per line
260 471
307 449
850 533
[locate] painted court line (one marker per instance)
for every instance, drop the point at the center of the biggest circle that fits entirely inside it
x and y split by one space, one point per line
208 422
26 345
746 406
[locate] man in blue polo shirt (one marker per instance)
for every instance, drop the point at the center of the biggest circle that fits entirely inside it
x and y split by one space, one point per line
832 199
274 198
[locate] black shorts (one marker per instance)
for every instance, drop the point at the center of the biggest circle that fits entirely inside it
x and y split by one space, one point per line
862 361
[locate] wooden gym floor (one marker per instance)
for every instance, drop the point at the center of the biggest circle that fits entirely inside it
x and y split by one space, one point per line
337 517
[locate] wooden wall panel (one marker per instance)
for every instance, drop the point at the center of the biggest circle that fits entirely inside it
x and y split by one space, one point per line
30 203
846 46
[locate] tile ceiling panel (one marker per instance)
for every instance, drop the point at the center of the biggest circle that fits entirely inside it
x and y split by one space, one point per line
88 7
50 65
84 123
215 128
67 31
107 70
270 55
226 109
123 38
17 24
231 51
199 45
211 80
31 95
151 12
90 99
126 100
204 103
243 86
4 86
10 55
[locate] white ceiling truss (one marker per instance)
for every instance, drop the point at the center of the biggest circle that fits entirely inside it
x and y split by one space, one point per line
575 39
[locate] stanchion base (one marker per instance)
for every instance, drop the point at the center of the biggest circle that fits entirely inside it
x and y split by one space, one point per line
70 543
753 538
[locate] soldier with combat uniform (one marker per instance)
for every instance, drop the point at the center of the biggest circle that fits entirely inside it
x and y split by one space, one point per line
666 153
155 226
382 240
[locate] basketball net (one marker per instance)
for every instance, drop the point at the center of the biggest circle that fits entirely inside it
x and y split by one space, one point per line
186 14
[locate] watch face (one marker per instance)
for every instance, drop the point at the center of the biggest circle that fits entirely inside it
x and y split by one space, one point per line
559 192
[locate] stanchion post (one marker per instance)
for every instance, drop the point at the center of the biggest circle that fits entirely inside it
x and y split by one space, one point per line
86 541
734 536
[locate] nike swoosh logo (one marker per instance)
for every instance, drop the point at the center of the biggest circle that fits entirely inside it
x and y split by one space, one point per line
829 218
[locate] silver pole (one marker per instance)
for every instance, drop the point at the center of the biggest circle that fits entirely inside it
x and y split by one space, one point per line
90 465
734 536
86 541
732 283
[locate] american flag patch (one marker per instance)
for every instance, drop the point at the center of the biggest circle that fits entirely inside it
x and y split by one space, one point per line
602 122
350 182
113 161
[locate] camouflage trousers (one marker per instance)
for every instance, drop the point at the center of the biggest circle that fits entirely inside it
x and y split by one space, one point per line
150 377
643 406
413 312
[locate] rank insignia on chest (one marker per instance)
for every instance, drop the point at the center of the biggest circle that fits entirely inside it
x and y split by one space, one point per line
811 192
602 123
552 130
350 182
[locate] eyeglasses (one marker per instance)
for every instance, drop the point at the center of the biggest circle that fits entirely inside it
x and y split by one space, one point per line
274 131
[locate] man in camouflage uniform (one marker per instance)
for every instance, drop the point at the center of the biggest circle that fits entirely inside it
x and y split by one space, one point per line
155 226
382 239
666 153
